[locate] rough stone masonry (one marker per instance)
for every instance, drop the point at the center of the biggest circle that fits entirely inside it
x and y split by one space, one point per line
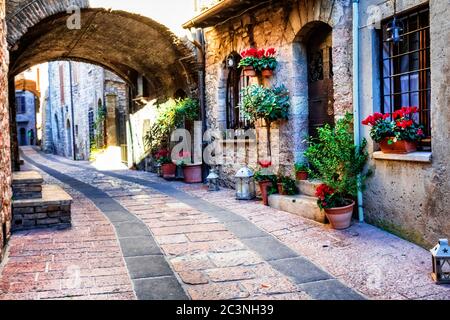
5 163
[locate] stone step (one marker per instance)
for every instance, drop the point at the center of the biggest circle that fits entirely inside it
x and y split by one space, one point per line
301 205
52 210
27 185
308 187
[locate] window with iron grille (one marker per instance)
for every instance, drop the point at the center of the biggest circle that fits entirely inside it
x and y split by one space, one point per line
405 68
235 83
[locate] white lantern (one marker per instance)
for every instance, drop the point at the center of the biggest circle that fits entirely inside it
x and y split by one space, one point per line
213 181
245 184
441 262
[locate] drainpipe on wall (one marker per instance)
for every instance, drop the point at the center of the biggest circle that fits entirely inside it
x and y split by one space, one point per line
72 112
356 105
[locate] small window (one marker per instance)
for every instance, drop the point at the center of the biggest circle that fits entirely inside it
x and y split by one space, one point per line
21 105
405 69
236 81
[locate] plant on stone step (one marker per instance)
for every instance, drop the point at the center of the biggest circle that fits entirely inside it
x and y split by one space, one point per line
337 162
289 185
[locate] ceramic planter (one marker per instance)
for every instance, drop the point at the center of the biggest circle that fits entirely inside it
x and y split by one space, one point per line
400 147
249 71
263 186
301 175
267 73
340 218
168 170
192 173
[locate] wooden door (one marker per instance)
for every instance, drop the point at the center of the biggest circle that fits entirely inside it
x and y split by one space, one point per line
320 80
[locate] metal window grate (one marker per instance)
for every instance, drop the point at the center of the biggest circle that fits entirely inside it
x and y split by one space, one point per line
405 68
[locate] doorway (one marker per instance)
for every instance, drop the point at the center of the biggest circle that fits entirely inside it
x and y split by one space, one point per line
22 137
320 78
69 139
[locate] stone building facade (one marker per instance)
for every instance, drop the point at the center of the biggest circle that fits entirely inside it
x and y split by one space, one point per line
79 96
287 26
408 195
5 153
26 107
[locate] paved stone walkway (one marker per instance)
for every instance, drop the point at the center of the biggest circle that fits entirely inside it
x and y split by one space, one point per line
220 248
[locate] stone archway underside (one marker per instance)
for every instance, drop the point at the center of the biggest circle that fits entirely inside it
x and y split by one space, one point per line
127 44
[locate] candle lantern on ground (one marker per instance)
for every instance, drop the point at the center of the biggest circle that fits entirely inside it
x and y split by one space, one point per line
245 184
441 262
213 181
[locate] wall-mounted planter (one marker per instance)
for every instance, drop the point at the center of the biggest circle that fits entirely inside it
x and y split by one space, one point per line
249 71
267 73
400 147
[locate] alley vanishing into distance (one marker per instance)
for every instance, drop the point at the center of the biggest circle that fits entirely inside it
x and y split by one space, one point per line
134 236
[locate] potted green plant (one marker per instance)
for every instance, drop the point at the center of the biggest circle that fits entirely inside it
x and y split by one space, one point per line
339 164
168 168
249 61
301 171
398 133
267 180
267 62
268 104
287 186
192 172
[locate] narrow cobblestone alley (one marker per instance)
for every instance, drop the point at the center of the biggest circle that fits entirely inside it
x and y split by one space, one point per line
135 235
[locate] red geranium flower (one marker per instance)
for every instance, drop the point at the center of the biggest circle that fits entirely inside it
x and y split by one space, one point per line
270 52
265 163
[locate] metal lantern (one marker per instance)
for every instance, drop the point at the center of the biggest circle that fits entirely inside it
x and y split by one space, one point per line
213 181
158 169
395 28
245 184
441 262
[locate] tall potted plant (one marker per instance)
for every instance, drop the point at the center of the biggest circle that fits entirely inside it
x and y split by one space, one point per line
398 133
339 164
269 104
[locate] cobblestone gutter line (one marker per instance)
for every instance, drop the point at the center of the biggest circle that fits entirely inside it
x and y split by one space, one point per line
152 277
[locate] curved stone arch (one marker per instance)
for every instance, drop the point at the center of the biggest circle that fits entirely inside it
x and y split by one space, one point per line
143 46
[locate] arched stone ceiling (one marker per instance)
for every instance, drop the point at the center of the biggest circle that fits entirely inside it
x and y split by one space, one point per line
125 43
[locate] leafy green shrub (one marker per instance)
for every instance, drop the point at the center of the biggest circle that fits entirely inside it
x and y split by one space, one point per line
289 185
337 162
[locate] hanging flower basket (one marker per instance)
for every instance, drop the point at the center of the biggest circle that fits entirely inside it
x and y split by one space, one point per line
267 73
249 71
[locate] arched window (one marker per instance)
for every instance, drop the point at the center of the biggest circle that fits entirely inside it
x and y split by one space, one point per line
236 81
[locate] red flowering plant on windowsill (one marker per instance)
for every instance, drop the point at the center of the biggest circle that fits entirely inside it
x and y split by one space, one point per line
400 126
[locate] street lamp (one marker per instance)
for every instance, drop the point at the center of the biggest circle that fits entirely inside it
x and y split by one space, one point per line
441 262
245 184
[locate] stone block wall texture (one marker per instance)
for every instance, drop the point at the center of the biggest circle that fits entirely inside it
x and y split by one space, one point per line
42 216
408 198
5 160
90 86
284 27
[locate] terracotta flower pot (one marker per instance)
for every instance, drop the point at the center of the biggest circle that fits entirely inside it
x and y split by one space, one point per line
267 73
281 189
263 186
192 173
249 71
301 175
400 147
340 218
168 170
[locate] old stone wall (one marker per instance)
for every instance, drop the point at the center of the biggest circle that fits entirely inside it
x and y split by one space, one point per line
27 121
284 27
408 198
5 160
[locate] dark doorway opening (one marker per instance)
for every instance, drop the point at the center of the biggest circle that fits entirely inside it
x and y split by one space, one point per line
320 78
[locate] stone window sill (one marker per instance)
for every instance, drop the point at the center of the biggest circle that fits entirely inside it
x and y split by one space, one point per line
424 157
